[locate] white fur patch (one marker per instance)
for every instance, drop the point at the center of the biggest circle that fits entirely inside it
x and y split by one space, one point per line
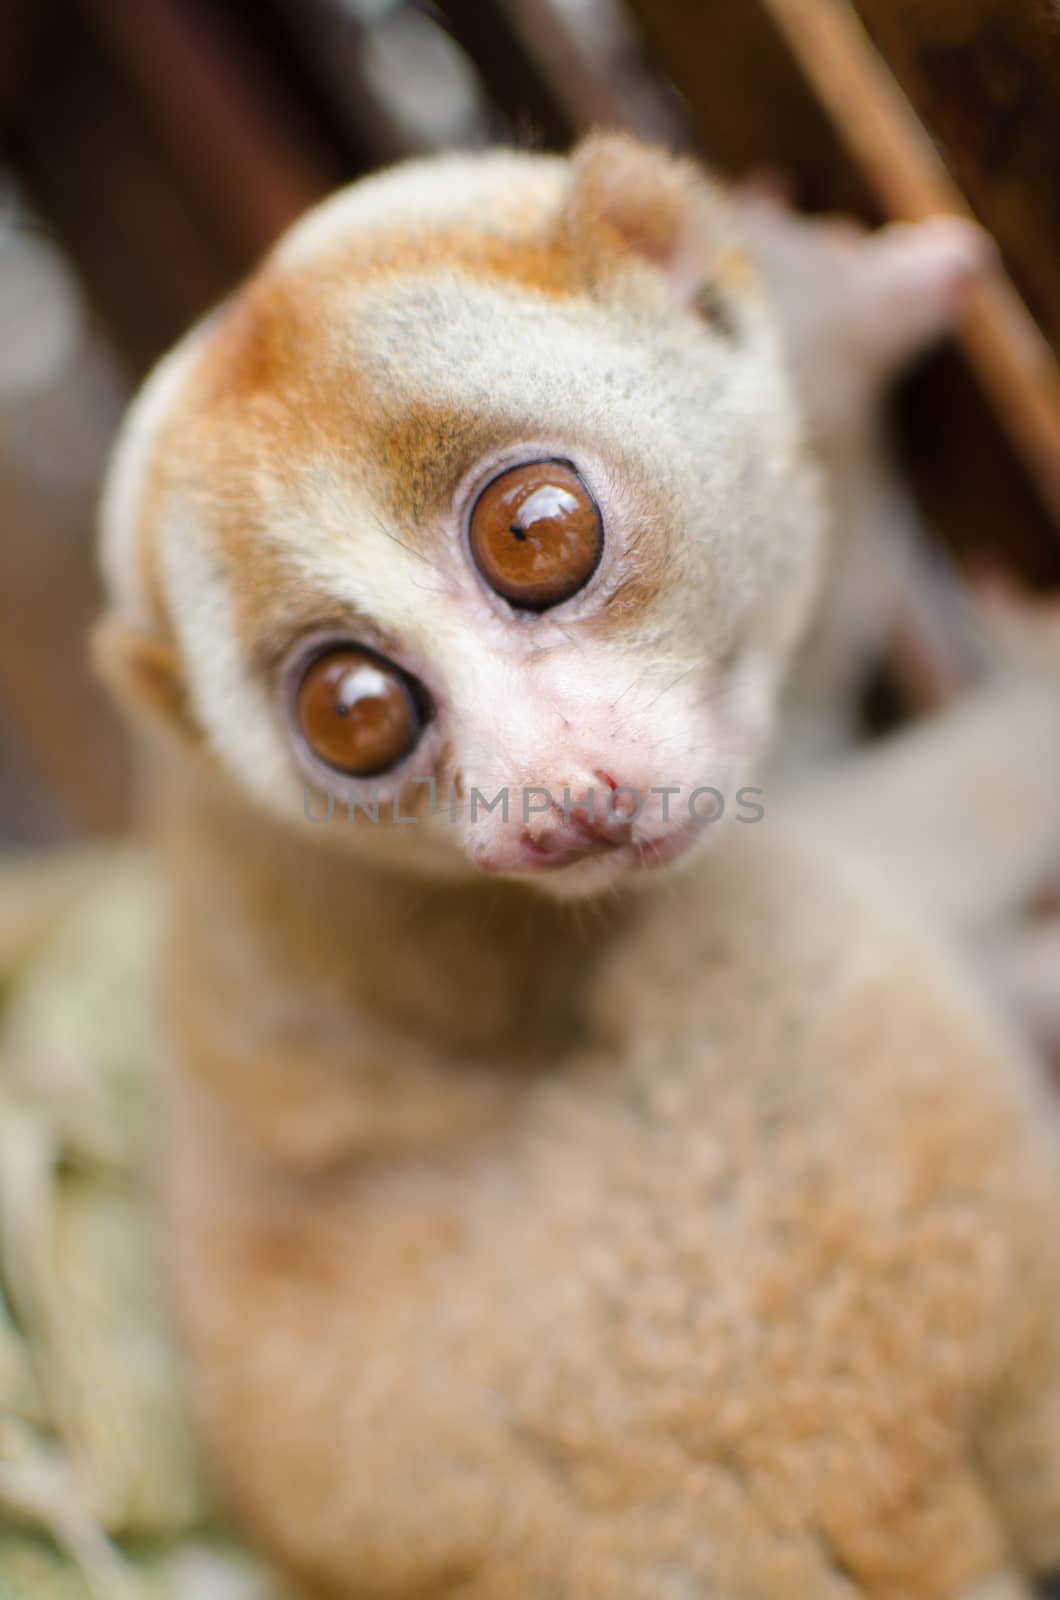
229 703
499 192
122 503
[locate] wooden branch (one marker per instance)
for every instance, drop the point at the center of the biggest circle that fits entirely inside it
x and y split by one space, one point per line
239 150
81 151
513 79
1012 359
983 76
587 95
751 103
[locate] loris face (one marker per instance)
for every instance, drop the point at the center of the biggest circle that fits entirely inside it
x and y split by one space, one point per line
479 518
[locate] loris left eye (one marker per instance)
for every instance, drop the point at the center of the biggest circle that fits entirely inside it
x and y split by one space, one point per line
536 534
358 713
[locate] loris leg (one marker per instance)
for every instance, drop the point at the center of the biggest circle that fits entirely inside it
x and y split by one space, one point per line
966 803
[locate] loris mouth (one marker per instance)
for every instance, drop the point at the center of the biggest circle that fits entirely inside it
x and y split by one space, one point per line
541 854
532 856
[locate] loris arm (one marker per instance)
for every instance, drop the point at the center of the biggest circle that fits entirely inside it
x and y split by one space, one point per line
964 805
856 307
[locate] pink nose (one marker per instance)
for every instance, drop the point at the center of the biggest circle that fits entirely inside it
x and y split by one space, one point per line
599 821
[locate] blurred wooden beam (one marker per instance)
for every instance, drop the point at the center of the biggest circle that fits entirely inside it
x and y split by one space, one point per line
328 41
525 98
751 103
757 102
92 174
984 75
1012 360
20 28
237 144
167 143
589 98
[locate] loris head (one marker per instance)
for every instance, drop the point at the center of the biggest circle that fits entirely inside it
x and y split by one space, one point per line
484 504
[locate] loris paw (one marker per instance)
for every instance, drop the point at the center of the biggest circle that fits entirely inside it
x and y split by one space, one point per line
855 304
921 271
918 276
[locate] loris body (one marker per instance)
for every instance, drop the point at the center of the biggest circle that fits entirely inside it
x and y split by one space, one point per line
579 1198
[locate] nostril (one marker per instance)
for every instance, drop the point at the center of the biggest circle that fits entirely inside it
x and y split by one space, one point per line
623 802
595 818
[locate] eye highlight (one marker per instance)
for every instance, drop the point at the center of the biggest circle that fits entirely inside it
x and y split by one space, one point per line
357 712
536 534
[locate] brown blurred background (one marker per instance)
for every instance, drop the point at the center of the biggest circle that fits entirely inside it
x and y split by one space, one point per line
151 149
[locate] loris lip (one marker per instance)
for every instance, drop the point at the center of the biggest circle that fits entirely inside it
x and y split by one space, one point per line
617 854
538 855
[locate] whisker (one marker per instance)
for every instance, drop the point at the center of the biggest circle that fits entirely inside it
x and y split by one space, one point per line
671 685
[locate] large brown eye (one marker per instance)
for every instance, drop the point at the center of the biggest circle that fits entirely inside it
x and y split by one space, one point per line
357 712
536 534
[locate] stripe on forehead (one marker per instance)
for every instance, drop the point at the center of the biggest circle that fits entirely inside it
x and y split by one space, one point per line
400 385
289 360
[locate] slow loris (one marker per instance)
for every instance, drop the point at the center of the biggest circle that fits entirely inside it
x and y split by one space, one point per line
578 1183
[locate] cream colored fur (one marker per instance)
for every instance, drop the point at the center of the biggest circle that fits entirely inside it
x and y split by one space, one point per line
693 1238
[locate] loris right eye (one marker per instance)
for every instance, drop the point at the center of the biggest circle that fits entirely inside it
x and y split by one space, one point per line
358 712
536 534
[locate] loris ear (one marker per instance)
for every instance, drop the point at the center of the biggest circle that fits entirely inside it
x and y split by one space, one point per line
635 201
144 674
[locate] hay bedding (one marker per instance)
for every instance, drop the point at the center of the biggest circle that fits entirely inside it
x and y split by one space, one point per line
101 1497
